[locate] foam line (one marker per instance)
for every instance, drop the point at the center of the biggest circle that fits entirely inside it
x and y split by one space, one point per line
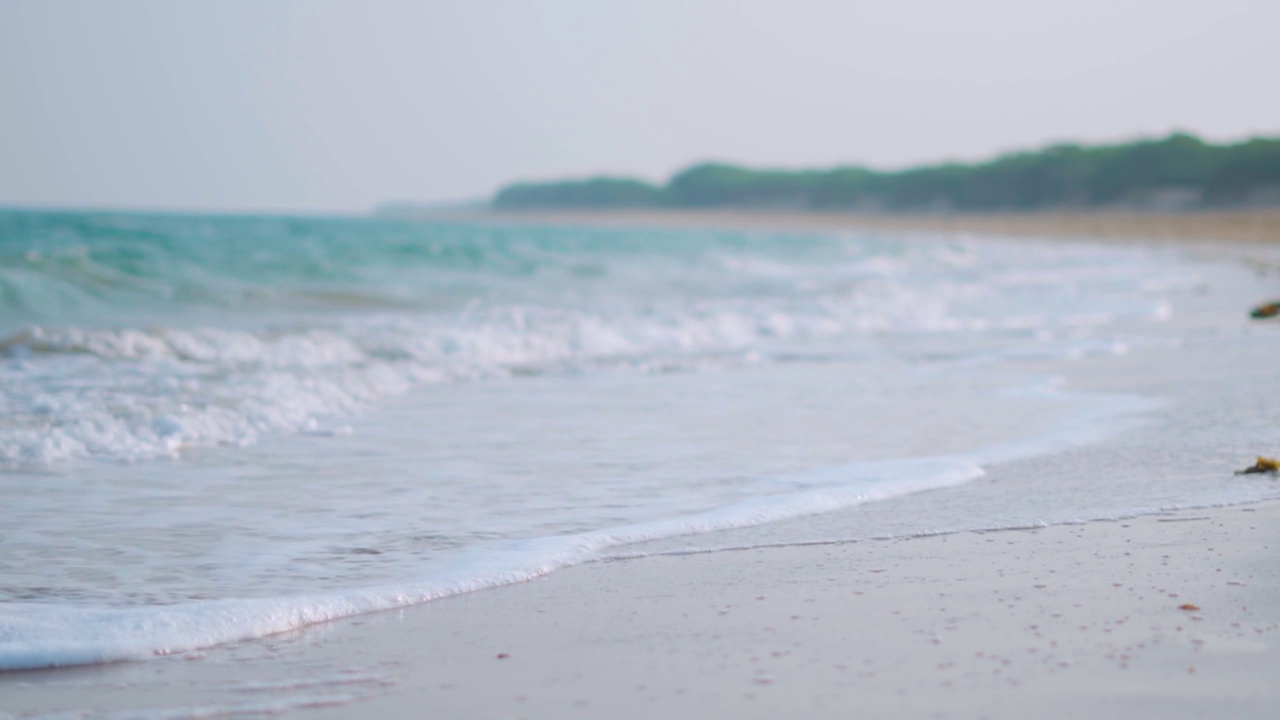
36 635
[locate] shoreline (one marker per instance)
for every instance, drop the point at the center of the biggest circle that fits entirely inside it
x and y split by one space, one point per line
1170 614
1242 226
1078 618
1060 620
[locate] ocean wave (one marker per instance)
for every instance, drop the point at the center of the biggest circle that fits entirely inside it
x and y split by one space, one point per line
131 337
132 394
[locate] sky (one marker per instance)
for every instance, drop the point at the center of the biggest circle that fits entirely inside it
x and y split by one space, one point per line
314 106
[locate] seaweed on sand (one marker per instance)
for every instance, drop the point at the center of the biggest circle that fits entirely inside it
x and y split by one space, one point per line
1268 310
1264 465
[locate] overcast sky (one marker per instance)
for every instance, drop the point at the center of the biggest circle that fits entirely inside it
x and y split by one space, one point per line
339 106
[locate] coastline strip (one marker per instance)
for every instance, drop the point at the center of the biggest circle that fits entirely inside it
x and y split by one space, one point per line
1243 226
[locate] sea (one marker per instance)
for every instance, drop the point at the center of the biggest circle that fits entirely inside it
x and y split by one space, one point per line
218 428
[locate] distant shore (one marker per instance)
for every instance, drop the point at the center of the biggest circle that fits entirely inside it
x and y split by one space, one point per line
1179 173
1261 225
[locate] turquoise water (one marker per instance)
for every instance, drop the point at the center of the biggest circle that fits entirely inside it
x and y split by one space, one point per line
102 269
215 428
144 336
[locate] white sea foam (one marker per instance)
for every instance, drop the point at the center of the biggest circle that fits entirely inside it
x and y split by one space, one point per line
40 635
141 392
45 635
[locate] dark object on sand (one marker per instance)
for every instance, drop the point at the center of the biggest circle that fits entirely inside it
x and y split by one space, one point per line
1264 465
1271 309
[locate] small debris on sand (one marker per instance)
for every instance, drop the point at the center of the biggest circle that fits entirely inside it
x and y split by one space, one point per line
1268 310
1188 607
1264 465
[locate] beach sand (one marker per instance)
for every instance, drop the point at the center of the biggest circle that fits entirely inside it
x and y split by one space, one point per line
1235 226
1060 622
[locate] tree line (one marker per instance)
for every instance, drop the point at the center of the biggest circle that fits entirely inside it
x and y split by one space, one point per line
1180 172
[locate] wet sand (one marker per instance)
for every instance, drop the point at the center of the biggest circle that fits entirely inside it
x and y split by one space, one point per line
1168 616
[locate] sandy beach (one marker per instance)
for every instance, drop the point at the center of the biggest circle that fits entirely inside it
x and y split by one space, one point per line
1169 616
1246 226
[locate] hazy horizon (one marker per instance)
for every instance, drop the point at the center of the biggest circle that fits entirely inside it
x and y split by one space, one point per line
338 108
